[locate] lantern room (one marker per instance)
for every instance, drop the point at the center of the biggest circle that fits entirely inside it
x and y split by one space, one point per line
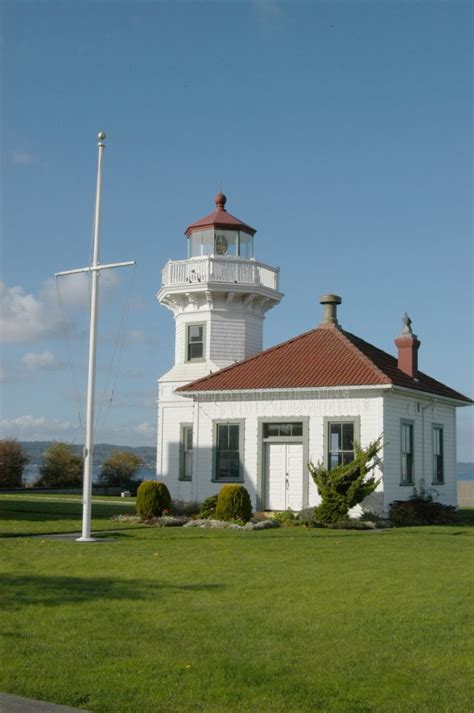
220 234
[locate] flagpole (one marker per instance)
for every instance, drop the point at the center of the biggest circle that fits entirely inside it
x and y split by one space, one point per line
95 270
89 444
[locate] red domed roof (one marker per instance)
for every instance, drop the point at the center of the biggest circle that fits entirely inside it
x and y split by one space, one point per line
219 218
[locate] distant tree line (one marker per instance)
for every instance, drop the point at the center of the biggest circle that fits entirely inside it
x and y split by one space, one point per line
62 467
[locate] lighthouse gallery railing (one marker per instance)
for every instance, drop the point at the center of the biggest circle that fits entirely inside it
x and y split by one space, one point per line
217 269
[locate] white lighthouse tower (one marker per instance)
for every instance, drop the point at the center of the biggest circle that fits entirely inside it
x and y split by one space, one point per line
218 296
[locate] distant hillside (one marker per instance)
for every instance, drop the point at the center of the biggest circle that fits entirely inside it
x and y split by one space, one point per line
34 451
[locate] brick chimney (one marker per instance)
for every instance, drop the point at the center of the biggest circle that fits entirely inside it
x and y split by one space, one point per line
408 344
330 303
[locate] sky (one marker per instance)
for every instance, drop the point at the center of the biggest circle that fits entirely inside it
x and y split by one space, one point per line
342 131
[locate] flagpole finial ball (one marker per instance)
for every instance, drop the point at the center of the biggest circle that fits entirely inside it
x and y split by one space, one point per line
101 135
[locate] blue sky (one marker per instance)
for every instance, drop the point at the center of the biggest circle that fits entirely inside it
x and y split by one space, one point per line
341 131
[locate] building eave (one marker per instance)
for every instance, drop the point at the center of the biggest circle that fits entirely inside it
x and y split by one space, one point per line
310 390
404 390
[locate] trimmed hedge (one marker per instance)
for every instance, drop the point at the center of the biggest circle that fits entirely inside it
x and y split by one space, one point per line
233 503
152 498
420 511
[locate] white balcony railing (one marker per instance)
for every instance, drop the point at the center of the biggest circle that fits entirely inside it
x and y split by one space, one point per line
218 269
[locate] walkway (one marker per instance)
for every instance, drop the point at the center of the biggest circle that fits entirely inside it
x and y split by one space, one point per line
16 704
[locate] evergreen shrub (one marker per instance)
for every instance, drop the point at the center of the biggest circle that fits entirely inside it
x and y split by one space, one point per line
208 508
152 498
233 503
345 485
421 511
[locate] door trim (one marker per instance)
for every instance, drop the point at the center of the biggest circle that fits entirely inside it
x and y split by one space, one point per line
261 464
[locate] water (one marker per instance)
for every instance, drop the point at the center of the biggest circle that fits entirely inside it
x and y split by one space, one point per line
31 474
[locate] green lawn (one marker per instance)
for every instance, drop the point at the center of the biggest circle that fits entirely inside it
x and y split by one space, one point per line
185 620
39 514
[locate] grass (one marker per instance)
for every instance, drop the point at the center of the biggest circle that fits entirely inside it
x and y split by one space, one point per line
280 620
39 514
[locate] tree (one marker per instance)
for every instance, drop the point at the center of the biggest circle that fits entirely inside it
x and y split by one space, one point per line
61 467
12 462
346 485
119 469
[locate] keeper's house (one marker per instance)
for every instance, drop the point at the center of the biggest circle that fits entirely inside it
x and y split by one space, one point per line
231 413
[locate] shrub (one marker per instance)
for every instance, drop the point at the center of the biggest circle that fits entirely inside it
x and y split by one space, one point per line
207 510
152 498
12 462
287 518
61 467
346 485
233 503
421 511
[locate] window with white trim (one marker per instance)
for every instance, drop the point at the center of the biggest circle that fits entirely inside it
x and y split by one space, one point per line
227 451
407 457
195 342
341 438
438 455
186 453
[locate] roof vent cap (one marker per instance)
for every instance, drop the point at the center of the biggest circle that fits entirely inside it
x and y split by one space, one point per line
330 303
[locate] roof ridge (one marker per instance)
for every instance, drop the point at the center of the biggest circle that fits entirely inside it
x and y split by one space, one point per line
274 348
366 358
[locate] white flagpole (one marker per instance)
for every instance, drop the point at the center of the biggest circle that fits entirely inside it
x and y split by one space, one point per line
95 269
89 445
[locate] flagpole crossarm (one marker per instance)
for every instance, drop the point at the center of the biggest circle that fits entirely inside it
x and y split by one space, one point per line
95 268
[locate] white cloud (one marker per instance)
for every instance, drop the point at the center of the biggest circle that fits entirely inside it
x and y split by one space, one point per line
25 317
74 290
145 429
40 360
31 428
20 157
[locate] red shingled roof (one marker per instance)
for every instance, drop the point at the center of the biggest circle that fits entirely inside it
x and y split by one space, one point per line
326 356
219 218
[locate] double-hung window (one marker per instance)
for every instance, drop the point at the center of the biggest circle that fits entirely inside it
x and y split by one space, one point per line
194 342
341 437
438 455
407 470
186 452
227 465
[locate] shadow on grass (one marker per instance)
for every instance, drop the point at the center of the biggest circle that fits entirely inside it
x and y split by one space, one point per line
26 510
20 590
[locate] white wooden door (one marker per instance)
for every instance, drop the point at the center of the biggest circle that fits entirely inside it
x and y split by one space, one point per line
284 476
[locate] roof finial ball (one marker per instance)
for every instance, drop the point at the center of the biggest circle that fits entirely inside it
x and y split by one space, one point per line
220 201
101 135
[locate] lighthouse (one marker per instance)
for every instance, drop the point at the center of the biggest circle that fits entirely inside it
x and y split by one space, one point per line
219 296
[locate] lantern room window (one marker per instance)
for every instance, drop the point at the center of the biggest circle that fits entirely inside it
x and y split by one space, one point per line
220 242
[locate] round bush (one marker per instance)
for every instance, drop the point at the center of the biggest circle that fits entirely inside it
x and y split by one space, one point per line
233 503
152 498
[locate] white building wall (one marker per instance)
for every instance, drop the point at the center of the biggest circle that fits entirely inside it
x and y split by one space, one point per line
173 410
424 412
367 406
234 336
376 411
